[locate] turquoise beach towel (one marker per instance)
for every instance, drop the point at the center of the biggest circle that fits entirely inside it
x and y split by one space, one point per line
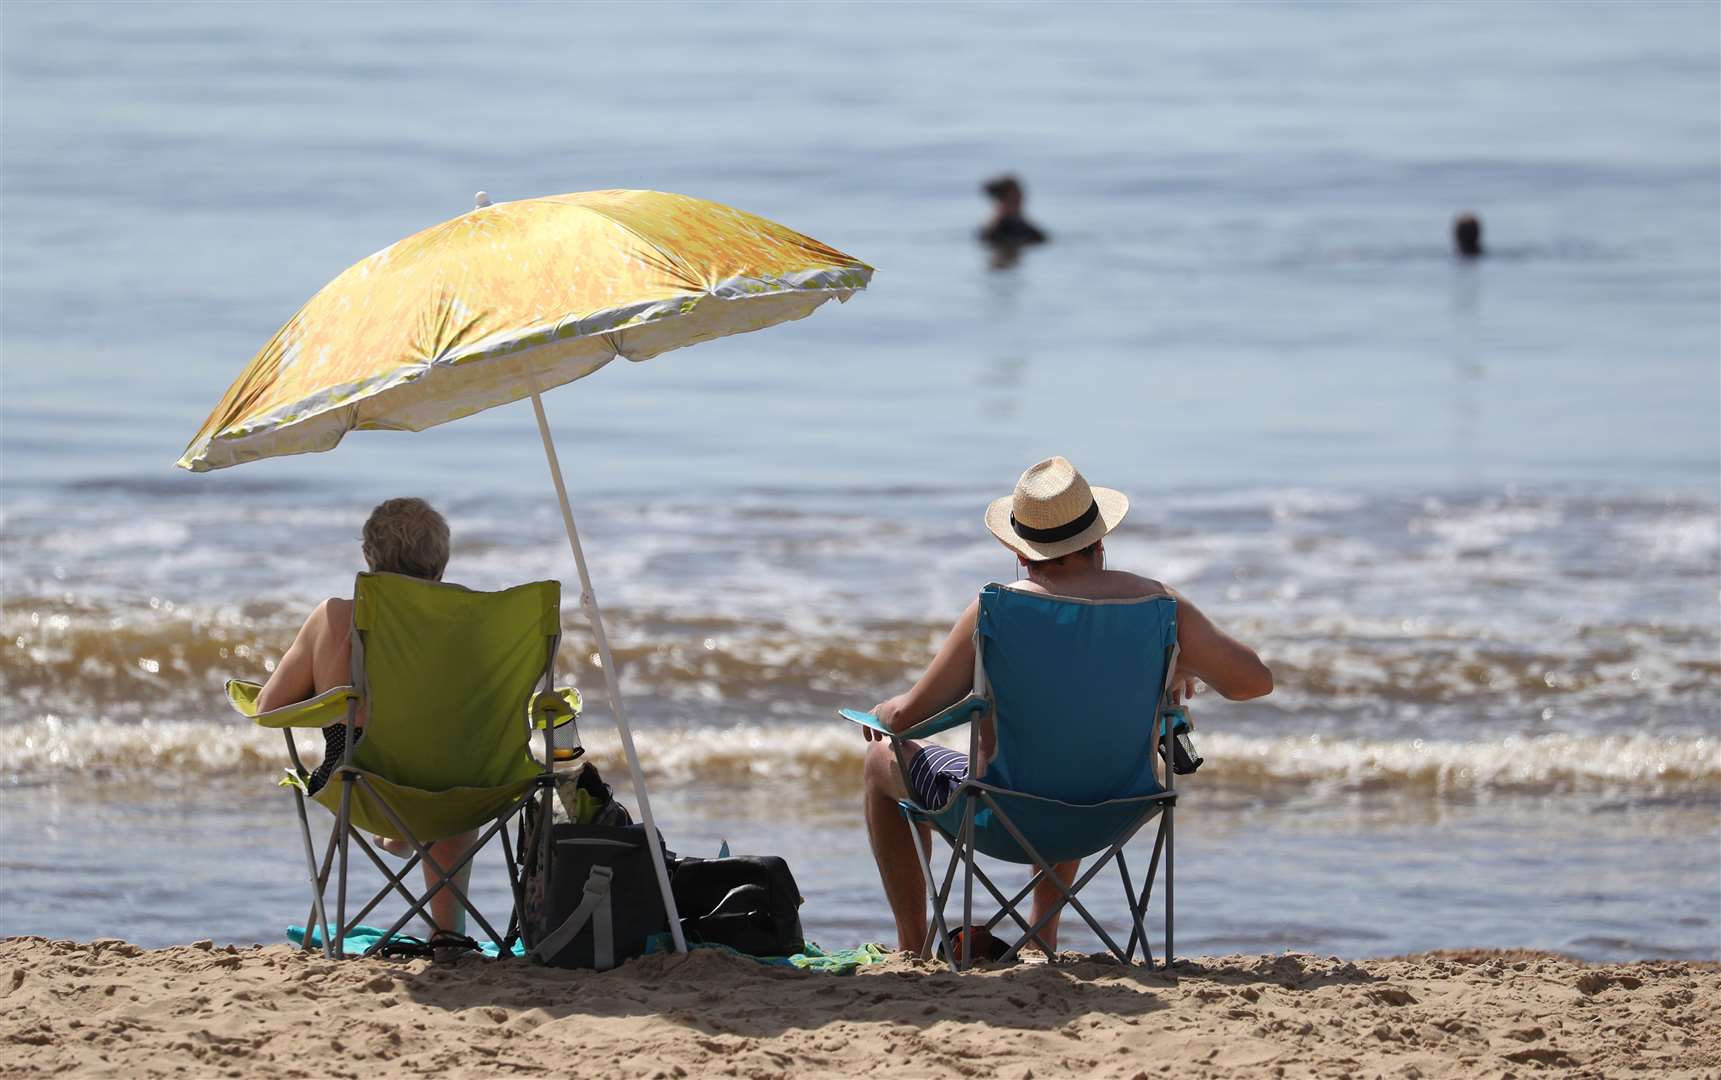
839 962
361 937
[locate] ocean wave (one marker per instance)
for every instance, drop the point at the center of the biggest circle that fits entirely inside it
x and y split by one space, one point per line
160 660
1384 616
1640 765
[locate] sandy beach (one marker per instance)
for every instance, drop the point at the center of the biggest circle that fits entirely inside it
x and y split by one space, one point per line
108 1008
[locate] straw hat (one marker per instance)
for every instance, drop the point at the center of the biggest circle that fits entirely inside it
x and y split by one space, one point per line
1054 512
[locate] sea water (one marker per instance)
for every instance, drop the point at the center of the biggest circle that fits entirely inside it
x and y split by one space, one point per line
1467 511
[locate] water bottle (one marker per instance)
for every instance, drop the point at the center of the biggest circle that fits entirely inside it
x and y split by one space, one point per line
565 763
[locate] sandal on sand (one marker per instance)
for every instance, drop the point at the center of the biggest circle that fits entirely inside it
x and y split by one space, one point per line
985 946
402 947
447 947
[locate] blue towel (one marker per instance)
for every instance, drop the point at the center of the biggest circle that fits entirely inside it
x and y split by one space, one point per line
360 938
840 962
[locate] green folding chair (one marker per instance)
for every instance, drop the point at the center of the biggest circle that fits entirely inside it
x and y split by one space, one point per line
453 683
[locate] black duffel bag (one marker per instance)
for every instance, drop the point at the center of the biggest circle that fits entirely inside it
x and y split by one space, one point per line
749 903
596 903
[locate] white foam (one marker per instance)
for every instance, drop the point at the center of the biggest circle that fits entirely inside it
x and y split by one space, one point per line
53 748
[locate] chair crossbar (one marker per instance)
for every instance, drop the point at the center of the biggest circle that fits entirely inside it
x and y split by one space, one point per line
963 855
444 876
1009 907
1136 930
985 788
395 878
1068 894
1139 910
1005 907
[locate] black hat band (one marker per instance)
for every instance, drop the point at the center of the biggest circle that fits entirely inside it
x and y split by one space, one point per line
1062 532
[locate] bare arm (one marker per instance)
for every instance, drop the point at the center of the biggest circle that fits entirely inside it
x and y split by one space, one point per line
1217 658
314 662
947 680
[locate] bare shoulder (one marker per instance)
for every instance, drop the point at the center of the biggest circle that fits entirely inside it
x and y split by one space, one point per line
332 615
1127 584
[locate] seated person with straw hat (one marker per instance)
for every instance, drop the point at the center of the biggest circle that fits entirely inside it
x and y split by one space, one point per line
401 536
1055 524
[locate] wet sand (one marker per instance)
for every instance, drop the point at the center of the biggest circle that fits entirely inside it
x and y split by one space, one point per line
108 1008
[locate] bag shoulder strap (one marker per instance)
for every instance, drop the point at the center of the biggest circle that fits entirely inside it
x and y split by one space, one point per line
593 908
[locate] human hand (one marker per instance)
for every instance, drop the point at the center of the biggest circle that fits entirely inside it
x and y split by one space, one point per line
1183 687
886 713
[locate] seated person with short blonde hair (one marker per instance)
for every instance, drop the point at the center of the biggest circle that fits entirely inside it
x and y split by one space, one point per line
401 536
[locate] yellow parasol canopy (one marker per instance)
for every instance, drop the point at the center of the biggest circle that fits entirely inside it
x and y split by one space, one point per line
510 298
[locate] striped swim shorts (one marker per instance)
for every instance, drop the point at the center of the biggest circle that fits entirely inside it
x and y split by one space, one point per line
934 774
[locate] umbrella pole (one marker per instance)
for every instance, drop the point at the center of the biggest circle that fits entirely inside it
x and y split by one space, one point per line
589 604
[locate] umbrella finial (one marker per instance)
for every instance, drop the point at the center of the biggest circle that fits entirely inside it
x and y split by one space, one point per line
481 200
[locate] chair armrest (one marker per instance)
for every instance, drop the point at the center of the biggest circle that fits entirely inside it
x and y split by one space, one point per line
955 716
553 708
328 707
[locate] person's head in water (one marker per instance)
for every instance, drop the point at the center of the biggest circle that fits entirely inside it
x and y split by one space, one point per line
1008 229
1006 192
1467 235
406 536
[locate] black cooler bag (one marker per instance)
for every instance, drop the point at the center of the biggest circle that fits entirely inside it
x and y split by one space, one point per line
748 903
597 901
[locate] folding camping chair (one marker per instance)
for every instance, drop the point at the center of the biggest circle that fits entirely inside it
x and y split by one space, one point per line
452 682
1077 690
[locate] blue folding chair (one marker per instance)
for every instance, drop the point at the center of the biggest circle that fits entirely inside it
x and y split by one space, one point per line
1078 690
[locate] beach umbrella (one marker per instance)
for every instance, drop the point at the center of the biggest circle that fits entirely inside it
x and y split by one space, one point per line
503 303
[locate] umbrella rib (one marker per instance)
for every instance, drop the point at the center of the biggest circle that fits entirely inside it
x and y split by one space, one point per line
666 261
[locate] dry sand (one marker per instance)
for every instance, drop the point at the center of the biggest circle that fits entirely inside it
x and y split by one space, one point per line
112 1009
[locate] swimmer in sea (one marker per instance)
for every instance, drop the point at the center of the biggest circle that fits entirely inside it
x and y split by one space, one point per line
1467 235
1008 231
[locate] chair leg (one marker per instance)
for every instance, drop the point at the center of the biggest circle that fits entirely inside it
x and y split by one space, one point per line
1139 910
341 893
968 886
319 886
941 897
931 893
1170 881
513 888
322 918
